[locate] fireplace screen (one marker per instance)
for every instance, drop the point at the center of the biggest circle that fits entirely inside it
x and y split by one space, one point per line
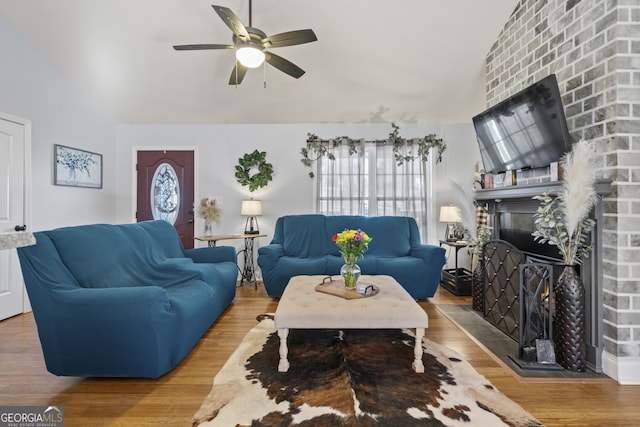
502 286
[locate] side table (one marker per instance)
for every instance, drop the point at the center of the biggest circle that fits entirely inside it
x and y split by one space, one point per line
248 272
457 280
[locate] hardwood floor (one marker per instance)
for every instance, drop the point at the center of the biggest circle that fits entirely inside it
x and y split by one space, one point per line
174 398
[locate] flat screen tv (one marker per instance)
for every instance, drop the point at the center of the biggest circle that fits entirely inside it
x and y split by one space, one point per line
525 131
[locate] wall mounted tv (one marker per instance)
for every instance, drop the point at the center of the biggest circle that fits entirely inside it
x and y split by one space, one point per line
525 131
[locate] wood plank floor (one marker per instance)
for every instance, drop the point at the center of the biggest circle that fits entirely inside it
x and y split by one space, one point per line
174 398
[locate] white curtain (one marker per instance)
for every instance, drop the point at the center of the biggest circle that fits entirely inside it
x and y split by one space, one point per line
343 182
371 183
401 189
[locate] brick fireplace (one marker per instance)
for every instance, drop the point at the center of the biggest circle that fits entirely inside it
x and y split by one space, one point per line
593 47
511 212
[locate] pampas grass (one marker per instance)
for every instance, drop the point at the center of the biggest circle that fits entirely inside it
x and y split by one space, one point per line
579 195
563 220
209 210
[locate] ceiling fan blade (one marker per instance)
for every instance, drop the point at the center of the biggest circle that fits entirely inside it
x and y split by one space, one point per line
290 38
283 65
237 74
232 21
203 46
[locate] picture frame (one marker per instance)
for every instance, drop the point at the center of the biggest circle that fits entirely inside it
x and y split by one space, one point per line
73 167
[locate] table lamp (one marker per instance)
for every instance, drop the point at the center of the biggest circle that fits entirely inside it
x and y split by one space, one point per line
451 215
251 209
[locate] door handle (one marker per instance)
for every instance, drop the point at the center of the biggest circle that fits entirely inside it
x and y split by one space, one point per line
190 221
20 227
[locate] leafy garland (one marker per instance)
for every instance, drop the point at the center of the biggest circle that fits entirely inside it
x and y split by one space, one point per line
424 147
246 163
316 148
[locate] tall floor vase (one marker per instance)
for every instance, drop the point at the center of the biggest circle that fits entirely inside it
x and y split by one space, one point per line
569 323
477 287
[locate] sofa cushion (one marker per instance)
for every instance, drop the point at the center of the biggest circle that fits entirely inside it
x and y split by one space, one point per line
304 236
109 256
391 235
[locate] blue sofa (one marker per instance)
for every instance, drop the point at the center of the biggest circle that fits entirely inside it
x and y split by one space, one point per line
302 245
123 300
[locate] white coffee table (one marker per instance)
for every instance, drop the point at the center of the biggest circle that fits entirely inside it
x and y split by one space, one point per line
301 307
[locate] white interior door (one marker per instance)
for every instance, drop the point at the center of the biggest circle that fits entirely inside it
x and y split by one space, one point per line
13 151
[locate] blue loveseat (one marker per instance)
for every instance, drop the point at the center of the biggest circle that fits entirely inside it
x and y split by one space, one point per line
302 245
123 300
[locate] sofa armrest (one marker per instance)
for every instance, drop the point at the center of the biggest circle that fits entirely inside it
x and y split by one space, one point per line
271 251
431 254
212 254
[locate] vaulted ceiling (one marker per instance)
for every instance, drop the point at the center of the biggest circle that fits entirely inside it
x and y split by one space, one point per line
374 61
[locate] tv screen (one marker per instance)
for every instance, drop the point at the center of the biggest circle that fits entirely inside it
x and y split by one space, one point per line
527 130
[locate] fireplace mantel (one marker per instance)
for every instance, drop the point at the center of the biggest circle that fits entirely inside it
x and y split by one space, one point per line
602 187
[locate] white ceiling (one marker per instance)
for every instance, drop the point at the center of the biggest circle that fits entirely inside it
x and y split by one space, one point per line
374 61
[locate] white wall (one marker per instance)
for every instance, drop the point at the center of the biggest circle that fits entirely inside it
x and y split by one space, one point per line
32 88
218 148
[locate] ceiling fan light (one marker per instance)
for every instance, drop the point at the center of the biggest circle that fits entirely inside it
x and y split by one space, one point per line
250 57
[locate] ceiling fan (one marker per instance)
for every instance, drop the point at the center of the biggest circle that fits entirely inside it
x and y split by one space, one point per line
251 46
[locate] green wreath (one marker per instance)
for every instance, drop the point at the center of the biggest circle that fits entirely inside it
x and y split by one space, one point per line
260 179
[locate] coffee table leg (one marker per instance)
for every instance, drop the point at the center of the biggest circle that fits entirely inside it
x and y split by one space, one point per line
283 366
417 352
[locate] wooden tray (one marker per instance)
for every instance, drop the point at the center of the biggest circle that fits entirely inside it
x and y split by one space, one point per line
336 287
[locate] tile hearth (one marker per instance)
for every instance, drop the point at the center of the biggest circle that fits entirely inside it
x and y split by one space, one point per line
502 346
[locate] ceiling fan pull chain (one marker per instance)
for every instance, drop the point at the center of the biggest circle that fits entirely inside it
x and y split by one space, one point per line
264 71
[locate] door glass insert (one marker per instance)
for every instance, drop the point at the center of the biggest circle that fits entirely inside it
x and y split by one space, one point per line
165 193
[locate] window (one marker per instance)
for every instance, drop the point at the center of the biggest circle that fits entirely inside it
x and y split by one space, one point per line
371 183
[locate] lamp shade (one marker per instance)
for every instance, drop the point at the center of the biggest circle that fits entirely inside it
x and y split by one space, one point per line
450 213
251 208
250 57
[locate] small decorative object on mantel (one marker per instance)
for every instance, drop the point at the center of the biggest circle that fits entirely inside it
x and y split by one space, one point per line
353 244
563 220
210 212
317 148
253 170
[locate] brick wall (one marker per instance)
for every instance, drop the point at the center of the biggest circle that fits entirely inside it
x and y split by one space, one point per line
593 47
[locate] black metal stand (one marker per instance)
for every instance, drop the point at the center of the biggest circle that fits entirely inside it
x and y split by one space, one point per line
248 271
457 280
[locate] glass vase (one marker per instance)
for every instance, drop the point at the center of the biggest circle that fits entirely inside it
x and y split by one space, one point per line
350 272
208 229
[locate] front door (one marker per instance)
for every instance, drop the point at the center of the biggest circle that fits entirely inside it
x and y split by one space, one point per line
13 146
165 183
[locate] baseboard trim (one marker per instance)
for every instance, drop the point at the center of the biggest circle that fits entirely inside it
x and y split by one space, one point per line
625 370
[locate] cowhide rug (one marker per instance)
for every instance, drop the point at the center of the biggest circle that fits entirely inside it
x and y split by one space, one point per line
351 378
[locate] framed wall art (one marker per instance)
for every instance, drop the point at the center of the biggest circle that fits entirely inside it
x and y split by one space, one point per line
76 168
